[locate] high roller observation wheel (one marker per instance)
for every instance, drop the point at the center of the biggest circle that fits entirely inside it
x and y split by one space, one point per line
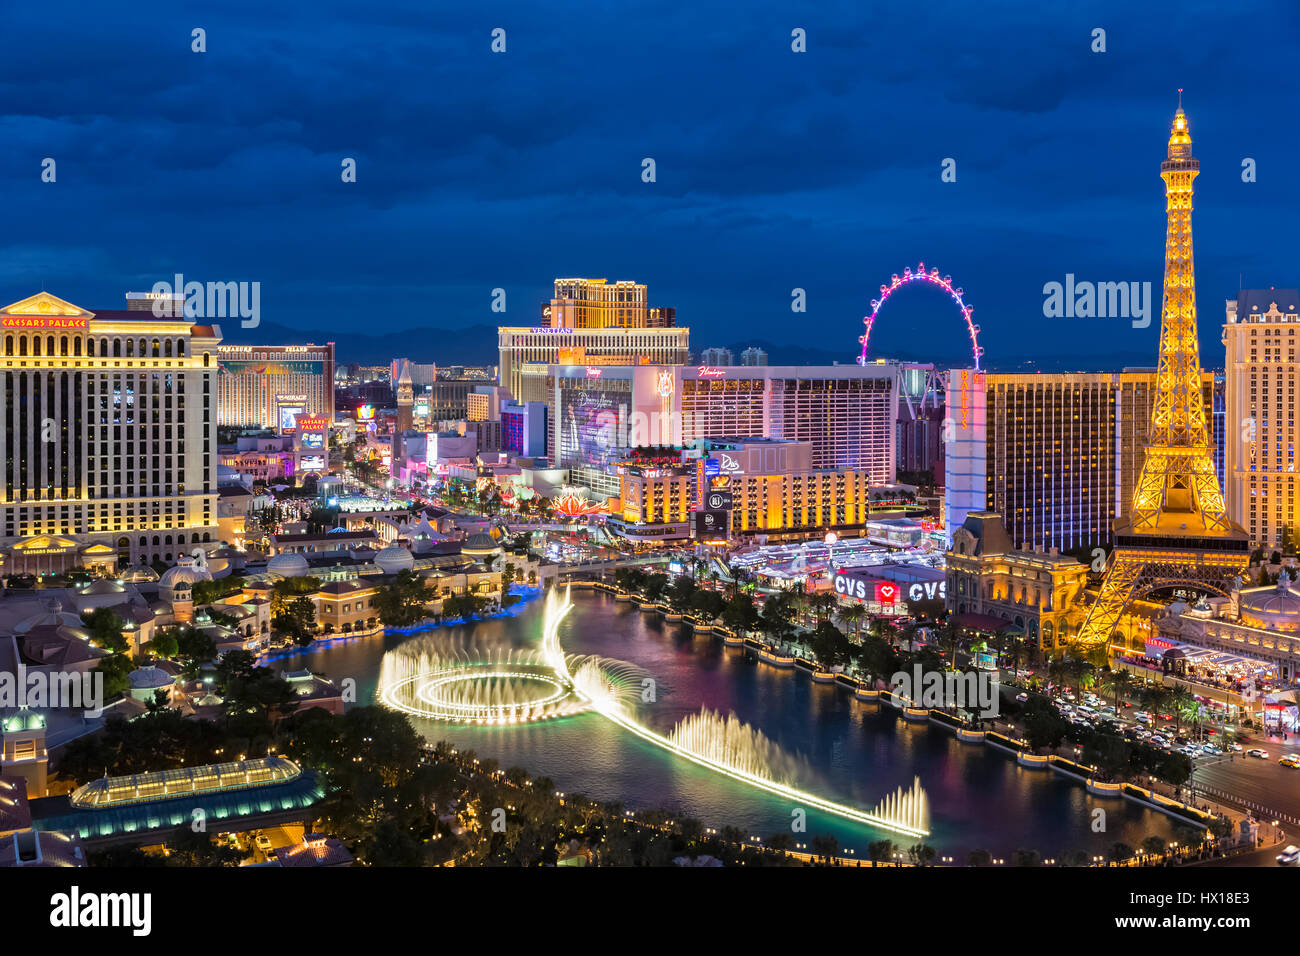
930 277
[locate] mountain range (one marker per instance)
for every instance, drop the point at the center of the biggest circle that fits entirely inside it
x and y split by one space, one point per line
477 345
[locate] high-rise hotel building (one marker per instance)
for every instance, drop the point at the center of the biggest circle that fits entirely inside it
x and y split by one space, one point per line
589 322
267 386
1259 339
846 413
108 430
1056 455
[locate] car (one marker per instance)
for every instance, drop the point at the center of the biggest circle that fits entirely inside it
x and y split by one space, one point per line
1067 709
1290 760
1235 747
1142 717
1021 698
1257 753
263 843
1289 855
1212 750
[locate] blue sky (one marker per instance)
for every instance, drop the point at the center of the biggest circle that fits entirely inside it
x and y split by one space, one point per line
775 169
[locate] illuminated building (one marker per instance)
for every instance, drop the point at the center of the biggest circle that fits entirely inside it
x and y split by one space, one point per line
759 487
753 356
106 420
598 304
523 428
539 347
589 322
1036 592
405 413
846 413
1178 532
1260 341
1260 624
267 385
717 356
1056 455
153 807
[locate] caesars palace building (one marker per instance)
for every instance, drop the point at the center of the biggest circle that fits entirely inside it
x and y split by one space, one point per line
108 436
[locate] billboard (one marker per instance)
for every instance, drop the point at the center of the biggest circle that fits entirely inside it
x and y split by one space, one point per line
264 367
311 463
288 418
710 524
717 500
593 430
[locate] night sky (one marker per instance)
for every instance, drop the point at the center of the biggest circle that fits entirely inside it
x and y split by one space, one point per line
775 169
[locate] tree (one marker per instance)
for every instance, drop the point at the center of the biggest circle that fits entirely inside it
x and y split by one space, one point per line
739 614
1119 852
164 644
189 848
880 851
116 669
1117 682
105 629
979 858
921 854
830 646
402 602
1044 725
297 620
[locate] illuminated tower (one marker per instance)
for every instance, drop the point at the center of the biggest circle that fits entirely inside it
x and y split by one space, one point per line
1178 534
405 410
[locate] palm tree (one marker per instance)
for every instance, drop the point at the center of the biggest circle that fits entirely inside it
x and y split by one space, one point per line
1119 683
852 616
1182 704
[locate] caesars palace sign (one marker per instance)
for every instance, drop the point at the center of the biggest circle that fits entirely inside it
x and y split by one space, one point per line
44 322
887 592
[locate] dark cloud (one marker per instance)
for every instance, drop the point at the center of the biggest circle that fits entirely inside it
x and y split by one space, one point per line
775 169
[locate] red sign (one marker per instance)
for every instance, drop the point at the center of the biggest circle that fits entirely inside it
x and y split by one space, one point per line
886 593
45 322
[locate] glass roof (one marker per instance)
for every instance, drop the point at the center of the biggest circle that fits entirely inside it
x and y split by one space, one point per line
184 781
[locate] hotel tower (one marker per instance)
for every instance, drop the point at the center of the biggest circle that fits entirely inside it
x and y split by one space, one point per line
108 436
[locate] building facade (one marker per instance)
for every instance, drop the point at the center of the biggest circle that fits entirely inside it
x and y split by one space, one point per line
267 386
1056 455
845 413
1259 339
542 346
107 422
1037 592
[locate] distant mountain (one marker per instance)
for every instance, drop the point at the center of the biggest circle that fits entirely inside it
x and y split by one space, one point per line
477 345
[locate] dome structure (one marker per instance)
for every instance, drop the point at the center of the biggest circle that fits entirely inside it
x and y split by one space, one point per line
288 564
186 572
150 678
480 546
393 559
141 574
1275 608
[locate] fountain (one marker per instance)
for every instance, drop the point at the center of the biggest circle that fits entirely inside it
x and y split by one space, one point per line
425 680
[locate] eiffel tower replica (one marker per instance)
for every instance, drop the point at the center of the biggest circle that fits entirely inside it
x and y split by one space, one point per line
1177 534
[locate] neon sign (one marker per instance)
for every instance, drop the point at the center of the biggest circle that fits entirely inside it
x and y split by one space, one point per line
593 372
664 384
709 371
547 330
42 322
